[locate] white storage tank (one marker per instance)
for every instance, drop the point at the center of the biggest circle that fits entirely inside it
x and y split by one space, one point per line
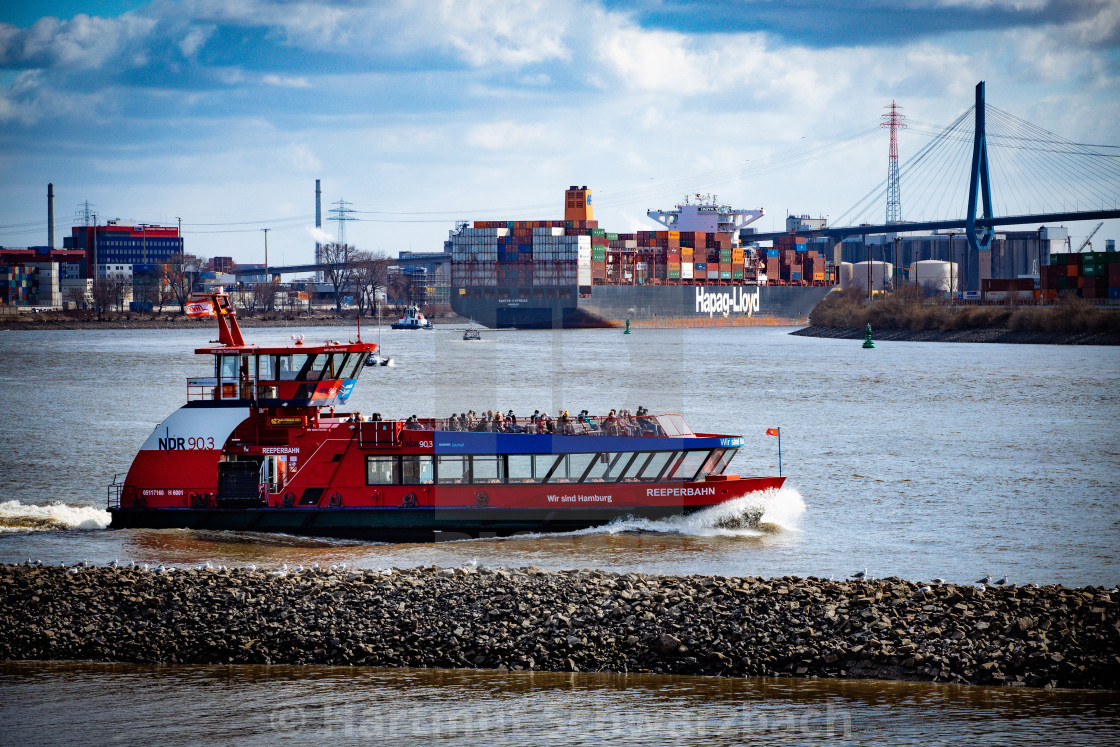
881 275
935 275
845 275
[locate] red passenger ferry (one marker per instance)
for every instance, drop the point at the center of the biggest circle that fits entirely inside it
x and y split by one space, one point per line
260 446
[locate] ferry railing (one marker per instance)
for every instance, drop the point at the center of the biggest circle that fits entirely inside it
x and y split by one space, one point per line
604 425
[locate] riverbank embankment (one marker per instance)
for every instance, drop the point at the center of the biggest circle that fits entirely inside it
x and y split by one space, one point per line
565 621
985 334
909 314
137 320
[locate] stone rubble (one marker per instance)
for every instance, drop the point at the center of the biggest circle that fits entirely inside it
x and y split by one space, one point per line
529 619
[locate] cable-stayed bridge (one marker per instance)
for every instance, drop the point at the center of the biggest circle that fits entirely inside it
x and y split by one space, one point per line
988 168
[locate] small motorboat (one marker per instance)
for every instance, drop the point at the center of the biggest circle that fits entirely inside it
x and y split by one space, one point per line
412 319
471 334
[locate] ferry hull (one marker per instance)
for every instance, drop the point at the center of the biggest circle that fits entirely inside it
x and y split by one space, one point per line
421 524
659 306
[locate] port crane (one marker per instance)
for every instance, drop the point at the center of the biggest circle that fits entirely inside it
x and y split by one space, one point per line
1087 242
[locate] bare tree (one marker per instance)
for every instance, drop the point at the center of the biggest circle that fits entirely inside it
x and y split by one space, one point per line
145 290
181 273
106 292
338 261
264 294
370 276
402 287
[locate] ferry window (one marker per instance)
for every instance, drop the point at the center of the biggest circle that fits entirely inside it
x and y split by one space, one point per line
529 467
486 469
313 369
351 367
290 365
416 470
265 367
718 461
608 466
655 465
228 366
687 465
519 468
451 469
630 465
381 470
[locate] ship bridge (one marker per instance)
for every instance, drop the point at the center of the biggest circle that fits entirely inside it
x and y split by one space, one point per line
704 213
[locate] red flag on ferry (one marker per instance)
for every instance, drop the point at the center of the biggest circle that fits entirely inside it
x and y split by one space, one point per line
200 308
771 431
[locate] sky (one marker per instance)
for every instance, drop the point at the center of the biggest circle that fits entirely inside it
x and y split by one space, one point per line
221 114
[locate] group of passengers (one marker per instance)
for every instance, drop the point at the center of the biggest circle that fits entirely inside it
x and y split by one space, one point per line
621 422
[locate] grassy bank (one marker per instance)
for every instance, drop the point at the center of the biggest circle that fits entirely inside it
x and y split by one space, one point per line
909 309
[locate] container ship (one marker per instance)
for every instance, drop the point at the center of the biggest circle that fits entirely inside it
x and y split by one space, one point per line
570 273
263 444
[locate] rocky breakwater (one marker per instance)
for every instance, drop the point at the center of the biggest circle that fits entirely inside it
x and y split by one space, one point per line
568 620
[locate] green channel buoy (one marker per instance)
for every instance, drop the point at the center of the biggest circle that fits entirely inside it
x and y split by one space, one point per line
627 327
867 342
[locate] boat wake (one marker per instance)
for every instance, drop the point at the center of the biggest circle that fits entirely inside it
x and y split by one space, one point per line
754 515
16 517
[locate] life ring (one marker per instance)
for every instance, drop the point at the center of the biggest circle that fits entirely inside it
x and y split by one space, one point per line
289 499
335 500
409 500
481 499
200 500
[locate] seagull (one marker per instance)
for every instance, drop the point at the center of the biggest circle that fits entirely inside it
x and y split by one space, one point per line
986 580
937 581
72 571
860 575
1002 581
279 574
252 567
115 564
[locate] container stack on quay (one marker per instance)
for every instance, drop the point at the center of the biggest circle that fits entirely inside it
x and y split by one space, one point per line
1090 275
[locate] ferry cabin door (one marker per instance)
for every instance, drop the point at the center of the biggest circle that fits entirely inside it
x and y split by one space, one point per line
274 472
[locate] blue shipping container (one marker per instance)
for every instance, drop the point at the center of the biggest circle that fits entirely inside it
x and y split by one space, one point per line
700 266
771 252
795 276
1114 292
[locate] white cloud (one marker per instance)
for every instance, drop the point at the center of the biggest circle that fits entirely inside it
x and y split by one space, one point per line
285 81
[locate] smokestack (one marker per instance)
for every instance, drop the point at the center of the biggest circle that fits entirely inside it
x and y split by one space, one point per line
318 214
50 215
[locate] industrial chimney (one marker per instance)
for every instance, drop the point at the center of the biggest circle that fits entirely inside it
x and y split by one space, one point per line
318 226
50 215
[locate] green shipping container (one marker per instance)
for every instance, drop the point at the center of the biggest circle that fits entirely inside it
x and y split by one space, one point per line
597 231
674 274
736 274
1089 270
612 237
1110 258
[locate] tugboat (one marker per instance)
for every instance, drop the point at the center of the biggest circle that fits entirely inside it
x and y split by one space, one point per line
412 319
261 446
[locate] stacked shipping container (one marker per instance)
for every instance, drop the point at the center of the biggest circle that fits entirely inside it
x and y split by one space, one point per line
552 253
1092 275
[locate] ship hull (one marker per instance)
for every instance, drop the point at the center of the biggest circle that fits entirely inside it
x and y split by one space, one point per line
658 306
420 524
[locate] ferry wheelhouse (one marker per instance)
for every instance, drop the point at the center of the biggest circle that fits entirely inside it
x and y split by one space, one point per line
261 445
